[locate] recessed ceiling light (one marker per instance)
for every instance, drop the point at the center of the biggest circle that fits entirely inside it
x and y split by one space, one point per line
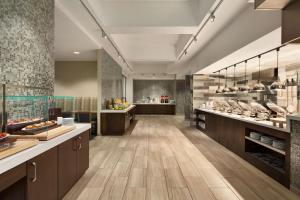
76 52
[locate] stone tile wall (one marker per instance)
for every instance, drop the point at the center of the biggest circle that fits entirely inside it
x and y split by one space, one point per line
27 45
153 89
295 154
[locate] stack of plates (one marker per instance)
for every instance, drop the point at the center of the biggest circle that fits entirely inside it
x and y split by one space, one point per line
68 121
255 135
278 144
266 139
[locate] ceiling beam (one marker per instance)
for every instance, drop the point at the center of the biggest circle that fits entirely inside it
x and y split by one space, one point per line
271 4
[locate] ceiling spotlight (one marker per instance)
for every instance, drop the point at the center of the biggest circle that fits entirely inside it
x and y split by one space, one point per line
195 38
212 17
105 36
119 56
185 52
76 52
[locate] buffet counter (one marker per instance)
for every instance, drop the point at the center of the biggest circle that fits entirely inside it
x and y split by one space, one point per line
49 169
265 123
155 108
265 146
117 122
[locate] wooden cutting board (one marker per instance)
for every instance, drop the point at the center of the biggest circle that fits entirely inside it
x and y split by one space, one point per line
20 145
47 135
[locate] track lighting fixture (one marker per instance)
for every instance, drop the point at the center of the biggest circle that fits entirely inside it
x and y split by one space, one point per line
219 91
258 87
277 84
245 88
234 88
103 34
226 89
212 17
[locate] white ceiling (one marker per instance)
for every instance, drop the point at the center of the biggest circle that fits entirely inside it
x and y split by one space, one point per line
147 32
69 38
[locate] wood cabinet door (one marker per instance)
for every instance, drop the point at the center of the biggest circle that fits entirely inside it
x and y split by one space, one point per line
42 176
67 166
83 153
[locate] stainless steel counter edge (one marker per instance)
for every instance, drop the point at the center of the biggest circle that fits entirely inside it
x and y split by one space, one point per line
43 146
118 111
267 124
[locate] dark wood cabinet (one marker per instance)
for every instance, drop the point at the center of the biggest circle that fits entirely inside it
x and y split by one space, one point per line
12 183
155 109
42 176
116 123
67 158
73 161
50 175
83 153
233 133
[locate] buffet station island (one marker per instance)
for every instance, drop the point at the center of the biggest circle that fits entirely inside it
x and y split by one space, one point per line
117 118
258 133
47 169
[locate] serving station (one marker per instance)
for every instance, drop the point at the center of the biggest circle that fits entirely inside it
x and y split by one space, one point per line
259 142
48 169
155 108
117 122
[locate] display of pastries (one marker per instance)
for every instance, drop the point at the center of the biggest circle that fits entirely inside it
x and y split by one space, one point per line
40 125
22 121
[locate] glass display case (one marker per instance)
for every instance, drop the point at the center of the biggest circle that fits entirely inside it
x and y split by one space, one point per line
24 111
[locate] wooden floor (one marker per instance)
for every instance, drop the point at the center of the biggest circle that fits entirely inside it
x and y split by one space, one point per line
164 159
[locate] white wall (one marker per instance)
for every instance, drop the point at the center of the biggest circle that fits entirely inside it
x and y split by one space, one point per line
75 78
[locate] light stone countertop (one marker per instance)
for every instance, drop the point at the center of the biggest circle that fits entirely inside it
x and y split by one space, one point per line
43 146
264 123
118 111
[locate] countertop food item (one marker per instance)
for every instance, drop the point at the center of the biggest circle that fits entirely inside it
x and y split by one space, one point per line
3 136
257 107
40 125
245 106
279 110
236 109
22 121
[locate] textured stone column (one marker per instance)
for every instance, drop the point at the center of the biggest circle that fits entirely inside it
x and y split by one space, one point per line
295 153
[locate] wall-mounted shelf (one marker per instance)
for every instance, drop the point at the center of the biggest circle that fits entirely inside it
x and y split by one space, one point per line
265 145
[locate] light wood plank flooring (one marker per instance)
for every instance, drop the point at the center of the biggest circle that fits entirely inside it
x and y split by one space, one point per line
165 159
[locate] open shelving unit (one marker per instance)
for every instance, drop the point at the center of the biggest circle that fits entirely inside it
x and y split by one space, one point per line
273 161
265 145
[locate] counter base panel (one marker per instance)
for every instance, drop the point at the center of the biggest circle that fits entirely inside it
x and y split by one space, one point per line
155 109
232 134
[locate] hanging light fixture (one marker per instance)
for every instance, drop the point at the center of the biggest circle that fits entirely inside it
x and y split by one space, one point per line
246 87
259 87
277 84
226 89
234 88
218 91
